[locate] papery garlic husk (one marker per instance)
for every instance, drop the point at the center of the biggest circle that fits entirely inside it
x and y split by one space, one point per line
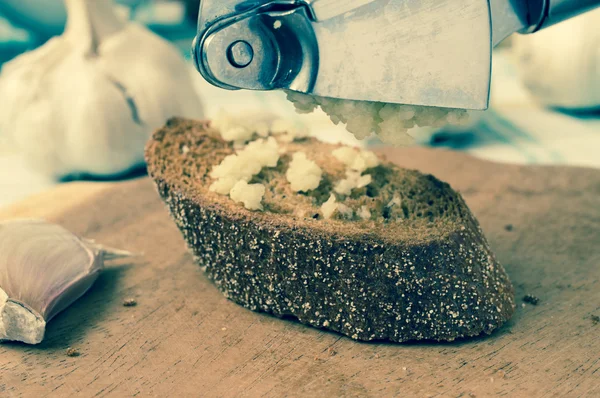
44 268
87 101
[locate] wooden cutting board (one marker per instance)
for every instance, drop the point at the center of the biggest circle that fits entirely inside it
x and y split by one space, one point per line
184 339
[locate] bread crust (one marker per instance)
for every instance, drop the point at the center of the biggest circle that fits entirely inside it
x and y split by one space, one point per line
364 286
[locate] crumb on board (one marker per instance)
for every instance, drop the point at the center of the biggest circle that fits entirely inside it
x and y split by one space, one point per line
595 319
531 299
332 352
509 227
72 352
129 302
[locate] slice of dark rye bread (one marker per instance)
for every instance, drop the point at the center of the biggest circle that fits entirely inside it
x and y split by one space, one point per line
420 269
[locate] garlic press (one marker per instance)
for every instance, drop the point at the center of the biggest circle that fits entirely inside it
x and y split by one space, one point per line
419 52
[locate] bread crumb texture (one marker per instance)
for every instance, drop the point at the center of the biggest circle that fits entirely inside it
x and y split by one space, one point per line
392 254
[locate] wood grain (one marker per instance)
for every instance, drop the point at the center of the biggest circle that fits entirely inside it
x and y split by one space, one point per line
49 203
184 339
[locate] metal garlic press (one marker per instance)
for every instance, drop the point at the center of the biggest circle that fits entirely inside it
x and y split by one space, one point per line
420 52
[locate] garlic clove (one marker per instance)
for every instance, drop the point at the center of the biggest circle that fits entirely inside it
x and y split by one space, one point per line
44 268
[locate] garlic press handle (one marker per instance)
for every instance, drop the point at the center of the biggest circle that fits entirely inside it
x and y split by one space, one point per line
545 13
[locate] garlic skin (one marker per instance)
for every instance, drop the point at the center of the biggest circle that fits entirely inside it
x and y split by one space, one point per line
87 101
43 269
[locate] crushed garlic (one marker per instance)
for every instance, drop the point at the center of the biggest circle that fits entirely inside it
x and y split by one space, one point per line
364 213
329 208
289 131
353 180
245 164
242 128
357 160
250 195
391 122
396 200
303 174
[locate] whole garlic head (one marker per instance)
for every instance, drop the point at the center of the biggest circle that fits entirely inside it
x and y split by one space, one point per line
560 66
87 101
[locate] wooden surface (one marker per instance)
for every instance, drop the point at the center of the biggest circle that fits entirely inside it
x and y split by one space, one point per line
184 339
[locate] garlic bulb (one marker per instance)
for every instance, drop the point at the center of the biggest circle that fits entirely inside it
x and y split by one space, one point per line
560 65
43 269
87 101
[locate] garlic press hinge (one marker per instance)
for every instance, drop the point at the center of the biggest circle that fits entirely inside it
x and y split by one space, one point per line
268 47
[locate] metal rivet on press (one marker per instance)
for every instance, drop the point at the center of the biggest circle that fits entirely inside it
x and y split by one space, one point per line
240 54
